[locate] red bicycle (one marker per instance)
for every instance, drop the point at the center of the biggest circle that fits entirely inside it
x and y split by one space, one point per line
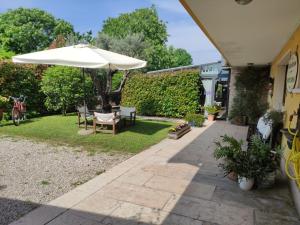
18 112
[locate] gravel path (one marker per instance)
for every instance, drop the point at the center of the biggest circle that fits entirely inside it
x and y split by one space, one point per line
34 173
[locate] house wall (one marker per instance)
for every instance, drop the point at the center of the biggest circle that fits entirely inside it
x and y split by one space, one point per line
292 100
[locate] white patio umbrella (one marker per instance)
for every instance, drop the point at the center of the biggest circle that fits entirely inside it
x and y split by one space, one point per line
83 56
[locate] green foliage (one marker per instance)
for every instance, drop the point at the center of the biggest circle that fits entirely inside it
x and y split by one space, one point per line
276 117
3 102
255 162
211 109
116 80
5 54
16 80
131 45
169 94
27 30
262 158
251 93
143 21
63 87
195 119
150 42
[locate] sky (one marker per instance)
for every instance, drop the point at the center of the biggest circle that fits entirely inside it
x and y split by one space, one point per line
90 14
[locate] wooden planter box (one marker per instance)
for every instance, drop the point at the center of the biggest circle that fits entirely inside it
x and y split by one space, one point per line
180 133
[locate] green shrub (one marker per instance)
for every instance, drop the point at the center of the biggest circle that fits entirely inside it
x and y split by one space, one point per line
251 93
169 94
16 80
64 89
211 109
195 119
3 102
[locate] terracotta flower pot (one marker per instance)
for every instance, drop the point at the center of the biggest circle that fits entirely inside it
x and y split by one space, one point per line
232 176
210 117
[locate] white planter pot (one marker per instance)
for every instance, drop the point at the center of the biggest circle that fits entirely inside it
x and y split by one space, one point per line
246 183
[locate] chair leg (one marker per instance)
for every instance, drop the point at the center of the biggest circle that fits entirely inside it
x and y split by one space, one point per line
94 126
114 128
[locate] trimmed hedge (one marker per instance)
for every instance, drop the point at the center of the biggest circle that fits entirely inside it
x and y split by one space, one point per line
172 94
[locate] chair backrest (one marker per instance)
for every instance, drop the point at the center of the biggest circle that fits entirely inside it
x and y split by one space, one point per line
104 117
126 111
264 127
81 110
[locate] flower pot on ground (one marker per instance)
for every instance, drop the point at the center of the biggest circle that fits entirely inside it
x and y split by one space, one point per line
210 117
194 120
179 131
240 120
211 110
254 164
246 184
232 176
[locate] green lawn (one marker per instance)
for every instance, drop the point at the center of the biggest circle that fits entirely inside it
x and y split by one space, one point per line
63 130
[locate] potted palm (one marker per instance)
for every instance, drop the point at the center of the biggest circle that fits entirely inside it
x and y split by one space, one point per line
256 164
228 150
211 110
3 104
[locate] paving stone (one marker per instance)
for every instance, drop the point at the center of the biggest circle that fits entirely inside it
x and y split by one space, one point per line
96 207
262 218
180 186
137 177
240 198
71 219
136 194
173 170
40 216
210 211
133 214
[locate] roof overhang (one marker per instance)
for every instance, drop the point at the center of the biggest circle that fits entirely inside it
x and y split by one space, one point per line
253 33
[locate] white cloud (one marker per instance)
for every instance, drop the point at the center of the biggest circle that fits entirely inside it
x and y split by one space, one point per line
190 37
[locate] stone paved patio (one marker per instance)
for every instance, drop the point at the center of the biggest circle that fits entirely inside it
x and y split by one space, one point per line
176 182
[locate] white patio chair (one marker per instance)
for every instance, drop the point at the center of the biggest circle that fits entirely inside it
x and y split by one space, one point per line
128 113
111 119
85 114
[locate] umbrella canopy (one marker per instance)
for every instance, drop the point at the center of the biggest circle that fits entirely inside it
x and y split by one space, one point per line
82 55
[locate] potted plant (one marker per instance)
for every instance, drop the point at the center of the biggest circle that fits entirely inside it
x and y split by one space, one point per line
228 150
3 104
265 159
256 164
211 111
194 120
179 131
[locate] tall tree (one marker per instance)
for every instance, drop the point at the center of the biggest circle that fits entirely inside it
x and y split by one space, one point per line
26 30
145 22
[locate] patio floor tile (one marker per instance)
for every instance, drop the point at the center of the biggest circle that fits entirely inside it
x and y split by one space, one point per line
210 211
137 177
180 186
95 207
173 170
136 194
133 214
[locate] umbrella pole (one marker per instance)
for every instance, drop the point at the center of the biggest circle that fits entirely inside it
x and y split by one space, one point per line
84 102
